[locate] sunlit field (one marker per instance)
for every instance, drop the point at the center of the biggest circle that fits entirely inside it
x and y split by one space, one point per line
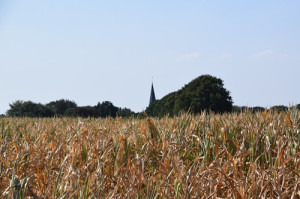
237 155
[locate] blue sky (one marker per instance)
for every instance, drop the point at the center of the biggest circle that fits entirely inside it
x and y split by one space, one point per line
92 51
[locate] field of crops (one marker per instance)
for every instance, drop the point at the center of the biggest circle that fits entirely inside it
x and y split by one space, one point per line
245 155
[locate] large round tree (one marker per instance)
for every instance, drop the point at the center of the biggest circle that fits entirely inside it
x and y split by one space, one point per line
203 93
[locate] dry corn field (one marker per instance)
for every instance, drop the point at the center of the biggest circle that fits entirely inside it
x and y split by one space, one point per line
237 155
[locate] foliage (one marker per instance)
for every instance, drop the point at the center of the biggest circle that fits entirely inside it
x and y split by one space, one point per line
62 107
125 112
85 111
237 155
203 93
65 108
28 109
255 109
279 108
105 109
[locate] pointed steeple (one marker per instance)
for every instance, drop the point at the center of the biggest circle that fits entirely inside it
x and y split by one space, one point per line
152 95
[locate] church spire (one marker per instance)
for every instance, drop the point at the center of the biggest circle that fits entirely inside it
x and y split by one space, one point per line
152 95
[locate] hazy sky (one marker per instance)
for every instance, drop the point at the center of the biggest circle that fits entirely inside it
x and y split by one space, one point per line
92 51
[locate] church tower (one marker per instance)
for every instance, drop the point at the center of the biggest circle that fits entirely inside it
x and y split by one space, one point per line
152 95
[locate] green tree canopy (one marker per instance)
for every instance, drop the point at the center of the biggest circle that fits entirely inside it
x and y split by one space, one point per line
203 93
62 107
105 109
28 109
279 108
65 108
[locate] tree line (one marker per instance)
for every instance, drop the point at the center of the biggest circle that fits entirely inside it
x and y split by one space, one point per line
205 93
276 108
65 108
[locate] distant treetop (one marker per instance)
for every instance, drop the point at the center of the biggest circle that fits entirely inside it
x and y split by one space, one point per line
203 93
